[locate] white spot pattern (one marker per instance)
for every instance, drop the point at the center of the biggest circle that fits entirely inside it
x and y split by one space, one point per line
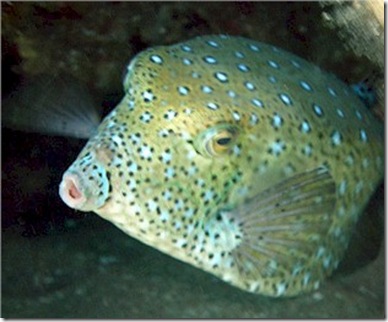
363 136
187 61
232 94
305 127
222 77
277 121
273 64
210 60
212 43
183 90
212 106
156 59
285 99
206 89
336 138
239 54
258 103
340 113
148 96
249 86
243 68
318 110
306 86
277 147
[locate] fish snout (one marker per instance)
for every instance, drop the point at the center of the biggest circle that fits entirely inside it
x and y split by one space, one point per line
71 192
85 185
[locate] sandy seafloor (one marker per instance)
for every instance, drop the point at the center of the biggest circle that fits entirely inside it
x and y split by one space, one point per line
58 263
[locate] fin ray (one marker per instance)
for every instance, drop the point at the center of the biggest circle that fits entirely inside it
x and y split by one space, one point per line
284 225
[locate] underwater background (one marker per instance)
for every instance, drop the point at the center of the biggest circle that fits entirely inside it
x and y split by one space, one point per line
58 263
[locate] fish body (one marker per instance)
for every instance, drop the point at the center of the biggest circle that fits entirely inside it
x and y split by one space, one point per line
237 157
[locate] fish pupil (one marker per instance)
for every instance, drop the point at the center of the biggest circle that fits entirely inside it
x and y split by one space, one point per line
223 141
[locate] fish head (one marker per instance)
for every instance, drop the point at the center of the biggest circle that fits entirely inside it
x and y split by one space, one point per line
166 137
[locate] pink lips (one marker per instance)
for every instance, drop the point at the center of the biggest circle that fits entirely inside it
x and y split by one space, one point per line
70 191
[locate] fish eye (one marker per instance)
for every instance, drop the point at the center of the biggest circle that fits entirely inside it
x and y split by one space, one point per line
216 141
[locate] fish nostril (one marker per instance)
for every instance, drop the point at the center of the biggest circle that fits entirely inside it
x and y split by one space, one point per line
103 153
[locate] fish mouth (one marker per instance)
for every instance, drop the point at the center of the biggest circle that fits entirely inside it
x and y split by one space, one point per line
85 185
71 192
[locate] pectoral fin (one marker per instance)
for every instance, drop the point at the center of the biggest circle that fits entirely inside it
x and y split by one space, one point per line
283 227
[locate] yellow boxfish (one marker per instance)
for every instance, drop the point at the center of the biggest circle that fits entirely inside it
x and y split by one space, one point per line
236 157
